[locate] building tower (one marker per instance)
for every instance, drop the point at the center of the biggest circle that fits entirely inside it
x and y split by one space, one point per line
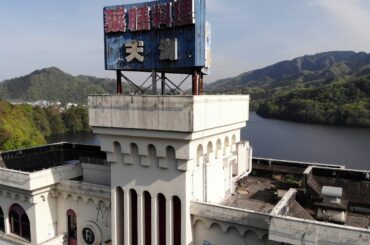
167 151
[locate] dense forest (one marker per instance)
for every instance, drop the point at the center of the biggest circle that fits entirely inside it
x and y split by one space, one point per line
26 126
345 103
327 88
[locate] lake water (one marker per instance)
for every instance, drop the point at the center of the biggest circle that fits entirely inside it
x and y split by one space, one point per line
291 141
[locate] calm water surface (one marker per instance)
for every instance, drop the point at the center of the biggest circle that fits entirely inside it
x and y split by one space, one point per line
290 141
307 142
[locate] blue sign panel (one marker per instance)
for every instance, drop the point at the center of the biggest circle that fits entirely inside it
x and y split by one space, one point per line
164 35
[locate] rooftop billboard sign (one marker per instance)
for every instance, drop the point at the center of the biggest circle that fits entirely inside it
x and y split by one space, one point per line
164 35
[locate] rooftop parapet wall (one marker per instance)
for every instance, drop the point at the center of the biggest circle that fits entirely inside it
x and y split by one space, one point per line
39 179
168 113
298 231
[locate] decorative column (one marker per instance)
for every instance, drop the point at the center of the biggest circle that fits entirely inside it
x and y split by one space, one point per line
140 219
127 218
154 220
169 218
114 216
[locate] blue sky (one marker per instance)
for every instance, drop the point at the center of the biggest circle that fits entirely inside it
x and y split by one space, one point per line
246 34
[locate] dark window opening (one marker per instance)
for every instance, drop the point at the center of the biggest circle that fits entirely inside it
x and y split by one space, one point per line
134 232
19 222
72 227
120 215
162 219
2 223
14 223
26 231
176 207
148 218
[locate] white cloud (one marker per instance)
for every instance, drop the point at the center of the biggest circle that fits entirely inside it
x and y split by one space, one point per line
351 16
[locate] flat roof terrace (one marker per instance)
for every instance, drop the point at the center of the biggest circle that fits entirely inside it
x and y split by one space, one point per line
257 194
48 156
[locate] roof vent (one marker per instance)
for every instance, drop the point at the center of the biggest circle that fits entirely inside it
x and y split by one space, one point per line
332 194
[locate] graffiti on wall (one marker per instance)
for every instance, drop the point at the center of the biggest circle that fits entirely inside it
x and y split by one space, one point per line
103 213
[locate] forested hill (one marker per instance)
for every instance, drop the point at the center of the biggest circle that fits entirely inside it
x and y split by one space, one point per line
24 126
345 103
328 88
309 70
52 84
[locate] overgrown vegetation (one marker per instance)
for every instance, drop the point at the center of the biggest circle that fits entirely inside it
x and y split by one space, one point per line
24 126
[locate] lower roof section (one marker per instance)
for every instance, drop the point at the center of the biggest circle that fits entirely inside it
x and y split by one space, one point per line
49 156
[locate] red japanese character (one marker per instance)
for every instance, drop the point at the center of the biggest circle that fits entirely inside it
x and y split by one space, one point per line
132 19
184 12
162 15
115 20
139 19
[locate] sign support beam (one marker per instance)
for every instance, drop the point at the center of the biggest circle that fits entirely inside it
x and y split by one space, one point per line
163 85
154 82
119 82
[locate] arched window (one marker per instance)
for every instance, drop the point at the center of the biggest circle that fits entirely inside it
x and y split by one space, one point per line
72 227
209 150
2 224
171 156
25 226
117 152
120 215
226 146
19 222
152 155
199 155
135 153
134 219
233 143
147 218
161 219
176 209
218 148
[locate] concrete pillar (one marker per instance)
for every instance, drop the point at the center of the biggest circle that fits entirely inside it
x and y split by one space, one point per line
140 218
6 222
114 216
127 218
154 220
169 217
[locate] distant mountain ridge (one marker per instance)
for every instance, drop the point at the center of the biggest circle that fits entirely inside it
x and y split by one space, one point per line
308 70
53 84
327 88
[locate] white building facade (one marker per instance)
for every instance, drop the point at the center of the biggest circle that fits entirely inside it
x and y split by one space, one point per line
172 170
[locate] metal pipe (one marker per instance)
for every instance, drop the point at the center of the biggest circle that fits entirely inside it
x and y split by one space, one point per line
163 85
154 82
195 82
119 82
201 84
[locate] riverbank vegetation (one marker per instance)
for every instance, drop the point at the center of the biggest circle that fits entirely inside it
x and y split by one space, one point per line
344 103
24 126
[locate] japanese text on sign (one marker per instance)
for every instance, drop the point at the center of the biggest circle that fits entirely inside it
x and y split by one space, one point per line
163 15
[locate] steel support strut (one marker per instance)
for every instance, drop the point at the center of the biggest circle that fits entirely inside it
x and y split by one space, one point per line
119 82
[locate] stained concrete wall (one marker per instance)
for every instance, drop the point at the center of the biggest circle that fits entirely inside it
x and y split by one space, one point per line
167 113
